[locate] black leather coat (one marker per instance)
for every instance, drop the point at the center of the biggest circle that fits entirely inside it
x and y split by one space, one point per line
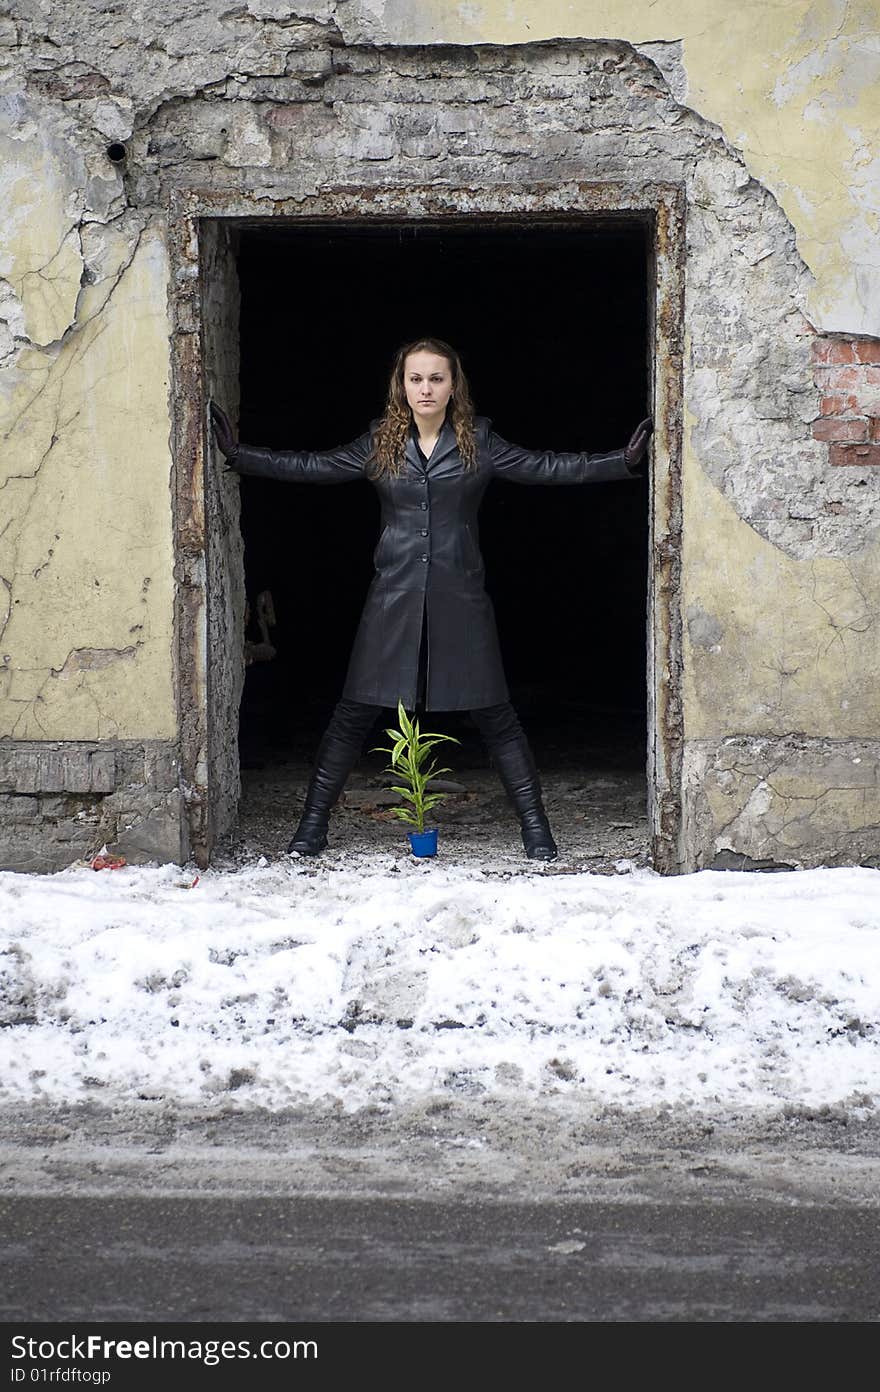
428 559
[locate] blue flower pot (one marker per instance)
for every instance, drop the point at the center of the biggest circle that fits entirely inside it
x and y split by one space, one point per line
423 843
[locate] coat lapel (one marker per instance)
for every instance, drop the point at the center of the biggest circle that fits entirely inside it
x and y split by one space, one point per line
413 458
446 445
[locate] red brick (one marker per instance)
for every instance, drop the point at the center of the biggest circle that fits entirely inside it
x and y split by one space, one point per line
855 378
839 405
867 350
833 350
851 430
875 428
861 455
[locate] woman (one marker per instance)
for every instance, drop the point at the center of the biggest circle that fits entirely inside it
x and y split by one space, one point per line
427 634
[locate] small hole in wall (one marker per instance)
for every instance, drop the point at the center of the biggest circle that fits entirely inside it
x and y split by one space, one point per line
116 153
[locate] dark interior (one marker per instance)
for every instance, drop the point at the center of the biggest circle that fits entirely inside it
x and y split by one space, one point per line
552 324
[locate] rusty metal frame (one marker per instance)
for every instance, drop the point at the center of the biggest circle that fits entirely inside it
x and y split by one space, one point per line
661 208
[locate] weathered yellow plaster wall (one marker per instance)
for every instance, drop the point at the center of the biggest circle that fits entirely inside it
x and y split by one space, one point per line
795 86
43 272
86 597
773 644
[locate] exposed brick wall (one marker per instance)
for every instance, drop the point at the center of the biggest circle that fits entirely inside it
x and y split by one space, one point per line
64 800
846 369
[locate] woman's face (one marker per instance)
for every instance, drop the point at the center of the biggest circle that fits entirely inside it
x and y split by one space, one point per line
427 380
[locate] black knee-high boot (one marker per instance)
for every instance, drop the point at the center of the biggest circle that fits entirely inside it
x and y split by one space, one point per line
516 768
511 754
339 750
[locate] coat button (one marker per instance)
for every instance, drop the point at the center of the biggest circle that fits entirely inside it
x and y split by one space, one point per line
424 556
424 506
424 531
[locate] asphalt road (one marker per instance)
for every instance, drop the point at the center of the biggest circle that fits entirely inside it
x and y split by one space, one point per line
468 1212
231 1258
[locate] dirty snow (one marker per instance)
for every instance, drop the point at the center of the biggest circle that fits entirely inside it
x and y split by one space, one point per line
382 978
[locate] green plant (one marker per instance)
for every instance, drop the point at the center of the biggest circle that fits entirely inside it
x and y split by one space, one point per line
409 751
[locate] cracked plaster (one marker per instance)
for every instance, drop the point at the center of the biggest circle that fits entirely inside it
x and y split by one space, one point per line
792 640
778 800
794 87
401 116
42 177
85 544
802 103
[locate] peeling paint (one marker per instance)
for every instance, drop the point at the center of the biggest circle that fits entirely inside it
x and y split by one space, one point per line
704 630
5 609
92 659
81 508
774 801
793 629
800 100
42 177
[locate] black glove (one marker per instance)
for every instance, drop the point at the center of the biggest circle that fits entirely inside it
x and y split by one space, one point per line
226 442
634 452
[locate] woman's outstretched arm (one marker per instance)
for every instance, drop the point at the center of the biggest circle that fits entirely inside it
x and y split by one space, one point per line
340 465
543 466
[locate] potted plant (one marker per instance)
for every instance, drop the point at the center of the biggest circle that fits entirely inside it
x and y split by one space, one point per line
409 752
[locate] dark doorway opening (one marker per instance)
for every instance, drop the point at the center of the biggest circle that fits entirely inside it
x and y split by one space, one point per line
552 321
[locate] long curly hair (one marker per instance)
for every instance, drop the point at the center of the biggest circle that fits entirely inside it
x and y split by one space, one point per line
390 437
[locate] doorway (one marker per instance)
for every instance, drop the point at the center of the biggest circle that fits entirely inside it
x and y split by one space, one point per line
553 321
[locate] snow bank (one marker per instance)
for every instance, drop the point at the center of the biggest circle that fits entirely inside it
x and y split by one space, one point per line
367 984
